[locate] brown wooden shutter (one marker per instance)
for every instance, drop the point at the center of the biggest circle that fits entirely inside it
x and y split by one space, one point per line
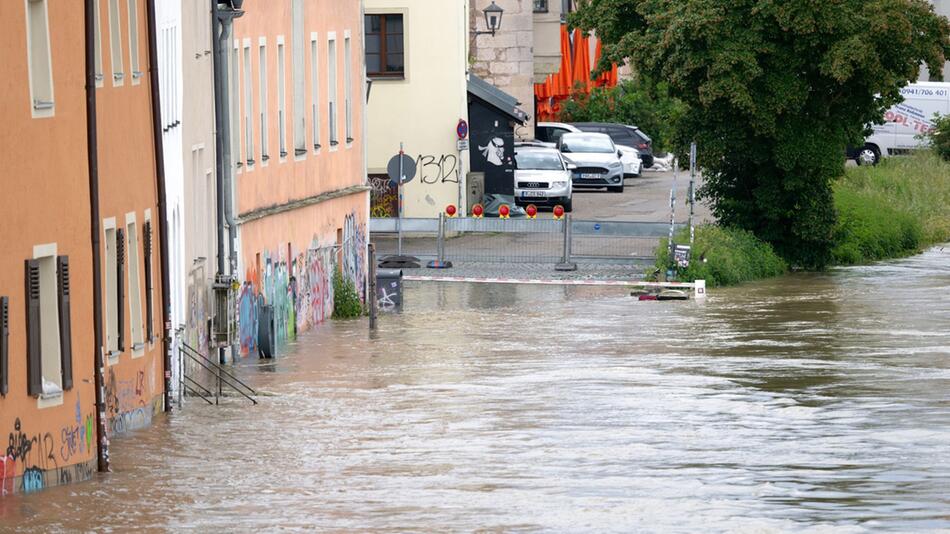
120 287
65 327
34 356
4 345
147 246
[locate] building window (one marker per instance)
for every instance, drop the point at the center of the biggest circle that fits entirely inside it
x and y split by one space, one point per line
248 107
281 109
315 89
40 60
540 6
48 325
134 41
98 44
298 65
331 94
136 326
149 289
262 70
234 98
115 43
384 46
348 86
112 291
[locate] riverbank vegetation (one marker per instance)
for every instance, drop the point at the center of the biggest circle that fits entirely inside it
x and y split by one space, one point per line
895 209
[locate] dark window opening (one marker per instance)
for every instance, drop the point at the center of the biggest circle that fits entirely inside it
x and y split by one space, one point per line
384 46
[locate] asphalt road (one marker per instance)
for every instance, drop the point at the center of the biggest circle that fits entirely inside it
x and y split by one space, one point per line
646 198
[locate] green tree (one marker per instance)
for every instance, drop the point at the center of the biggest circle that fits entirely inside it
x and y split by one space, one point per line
639 103
775 90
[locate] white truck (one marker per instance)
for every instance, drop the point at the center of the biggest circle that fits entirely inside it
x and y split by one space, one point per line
905 122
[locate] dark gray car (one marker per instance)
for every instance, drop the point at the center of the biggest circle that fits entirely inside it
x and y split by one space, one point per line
622 134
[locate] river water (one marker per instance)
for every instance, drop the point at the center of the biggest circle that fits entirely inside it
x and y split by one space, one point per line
817 403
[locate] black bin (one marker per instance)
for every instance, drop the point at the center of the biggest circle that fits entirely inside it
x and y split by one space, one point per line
389 289
266 333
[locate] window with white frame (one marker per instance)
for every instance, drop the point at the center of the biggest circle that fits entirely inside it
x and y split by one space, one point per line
331 89
248 107
112 290
348 85
315 90
136 326
234 97
40 59
48 324
98 43
115 43
134 40
281 107
262 96
298 65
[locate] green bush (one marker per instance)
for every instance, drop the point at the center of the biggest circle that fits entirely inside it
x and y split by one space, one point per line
346 301
732 256
940 137
869 228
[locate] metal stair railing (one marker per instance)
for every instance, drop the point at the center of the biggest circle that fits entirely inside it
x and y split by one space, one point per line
222 376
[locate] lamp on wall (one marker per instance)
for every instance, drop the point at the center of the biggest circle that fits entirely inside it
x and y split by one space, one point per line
493 15
236 4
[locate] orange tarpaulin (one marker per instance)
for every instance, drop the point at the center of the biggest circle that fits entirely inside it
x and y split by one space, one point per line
581 80
573 76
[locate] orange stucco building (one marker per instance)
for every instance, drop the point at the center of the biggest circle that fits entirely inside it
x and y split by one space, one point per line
48 254
297 82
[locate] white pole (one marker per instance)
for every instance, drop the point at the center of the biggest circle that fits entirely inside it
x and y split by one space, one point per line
676 170
692 189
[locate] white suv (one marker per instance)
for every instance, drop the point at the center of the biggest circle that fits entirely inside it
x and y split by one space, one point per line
542 177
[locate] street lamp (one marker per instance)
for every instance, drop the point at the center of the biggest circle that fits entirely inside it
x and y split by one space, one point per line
493 15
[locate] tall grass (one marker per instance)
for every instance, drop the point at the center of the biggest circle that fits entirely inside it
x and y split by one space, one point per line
892 210
732 256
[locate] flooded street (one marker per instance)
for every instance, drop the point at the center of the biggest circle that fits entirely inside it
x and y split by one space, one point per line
808 402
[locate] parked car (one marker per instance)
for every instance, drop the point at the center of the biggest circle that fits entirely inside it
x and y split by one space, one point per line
596 158
542 177
904 123
551 132
622 135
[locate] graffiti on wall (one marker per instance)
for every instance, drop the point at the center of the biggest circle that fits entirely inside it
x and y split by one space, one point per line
438 169
298 285
383 197
42 459
129 405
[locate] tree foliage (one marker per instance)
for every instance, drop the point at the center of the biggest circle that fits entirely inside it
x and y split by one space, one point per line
939 137
639 103
775 90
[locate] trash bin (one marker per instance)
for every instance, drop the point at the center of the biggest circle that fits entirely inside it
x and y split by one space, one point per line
389 289
265 332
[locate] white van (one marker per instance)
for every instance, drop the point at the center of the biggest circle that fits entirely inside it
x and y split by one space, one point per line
905 122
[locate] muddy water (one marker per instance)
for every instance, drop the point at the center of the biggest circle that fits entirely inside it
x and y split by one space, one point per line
814 402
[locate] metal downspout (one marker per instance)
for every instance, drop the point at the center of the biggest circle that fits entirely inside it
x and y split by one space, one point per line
92 147
160 179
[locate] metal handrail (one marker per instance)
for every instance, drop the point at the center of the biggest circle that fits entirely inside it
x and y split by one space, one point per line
191 387
220 372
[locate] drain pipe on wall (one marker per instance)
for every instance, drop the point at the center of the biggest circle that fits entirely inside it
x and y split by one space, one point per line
92 157
221 21
160 179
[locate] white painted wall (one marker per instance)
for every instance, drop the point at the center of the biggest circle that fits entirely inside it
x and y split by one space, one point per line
423 109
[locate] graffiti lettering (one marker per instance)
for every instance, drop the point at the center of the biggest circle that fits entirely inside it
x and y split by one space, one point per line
434 170
32 480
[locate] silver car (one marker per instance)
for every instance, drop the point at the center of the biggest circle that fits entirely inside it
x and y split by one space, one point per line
542 177
597 160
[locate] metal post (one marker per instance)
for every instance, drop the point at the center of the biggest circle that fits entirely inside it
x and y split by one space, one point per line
440 241
566 263
676 170
399 187
371 298
692 189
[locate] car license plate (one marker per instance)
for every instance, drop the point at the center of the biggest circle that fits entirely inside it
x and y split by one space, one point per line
589 175
532 194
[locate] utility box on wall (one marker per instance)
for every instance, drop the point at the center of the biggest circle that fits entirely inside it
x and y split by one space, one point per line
474 189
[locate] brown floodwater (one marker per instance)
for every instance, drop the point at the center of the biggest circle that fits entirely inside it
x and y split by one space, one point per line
816 403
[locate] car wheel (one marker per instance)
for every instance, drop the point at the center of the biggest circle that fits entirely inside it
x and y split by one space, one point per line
869 155
568 205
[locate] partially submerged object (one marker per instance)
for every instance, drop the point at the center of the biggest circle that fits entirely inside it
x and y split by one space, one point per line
672 294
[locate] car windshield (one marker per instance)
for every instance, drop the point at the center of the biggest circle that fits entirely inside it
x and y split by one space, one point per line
538 160
586 144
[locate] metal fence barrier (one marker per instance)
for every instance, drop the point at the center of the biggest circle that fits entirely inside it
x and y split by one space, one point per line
492 240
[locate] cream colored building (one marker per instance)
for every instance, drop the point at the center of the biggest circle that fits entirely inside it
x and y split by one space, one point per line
416 57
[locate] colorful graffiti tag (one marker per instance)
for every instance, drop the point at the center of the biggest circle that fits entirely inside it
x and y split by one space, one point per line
299 288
